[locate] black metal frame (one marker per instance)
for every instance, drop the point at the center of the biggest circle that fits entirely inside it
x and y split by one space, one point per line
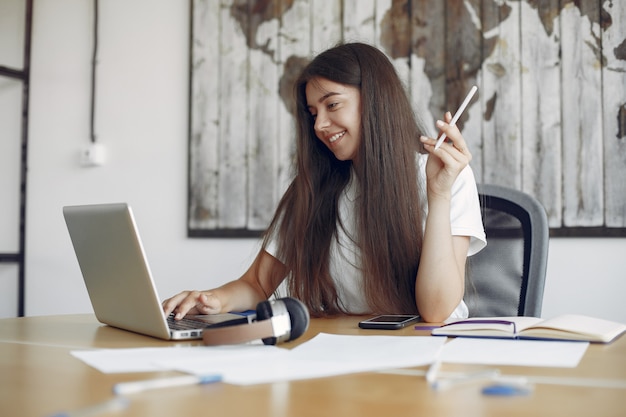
24 76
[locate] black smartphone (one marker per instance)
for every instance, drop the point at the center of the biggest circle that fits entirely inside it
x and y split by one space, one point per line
389 321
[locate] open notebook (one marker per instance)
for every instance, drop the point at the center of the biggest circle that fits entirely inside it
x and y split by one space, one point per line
118 278
563 327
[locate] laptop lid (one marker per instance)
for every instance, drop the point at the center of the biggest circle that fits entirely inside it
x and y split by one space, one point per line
116 272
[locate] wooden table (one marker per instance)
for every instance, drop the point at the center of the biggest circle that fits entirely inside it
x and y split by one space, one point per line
38 377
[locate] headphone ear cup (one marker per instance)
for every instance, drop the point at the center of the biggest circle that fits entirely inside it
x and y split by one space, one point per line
295 309
264 311
299 316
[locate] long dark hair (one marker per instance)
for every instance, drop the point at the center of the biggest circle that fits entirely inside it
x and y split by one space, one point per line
389 211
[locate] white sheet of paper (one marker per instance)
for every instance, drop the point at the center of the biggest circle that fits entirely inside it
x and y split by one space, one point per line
159 359
324 355
514 352
329 355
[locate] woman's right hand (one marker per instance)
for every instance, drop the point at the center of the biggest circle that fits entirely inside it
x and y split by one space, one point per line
445 164
192 302
239 295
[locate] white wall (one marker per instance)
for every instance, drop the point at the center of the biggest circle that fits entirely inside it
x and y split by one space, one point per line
586 276
142 106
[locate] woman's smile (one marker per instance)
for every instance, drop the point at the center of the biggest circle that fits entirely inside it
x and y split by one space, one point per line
336 136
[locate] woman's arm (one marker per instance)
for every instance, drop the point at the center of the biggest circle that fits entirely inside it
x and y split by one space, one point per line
255 285
440 280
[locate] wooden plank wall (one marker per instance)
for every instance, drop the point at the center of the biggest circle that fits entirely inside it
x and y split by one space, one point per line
549 117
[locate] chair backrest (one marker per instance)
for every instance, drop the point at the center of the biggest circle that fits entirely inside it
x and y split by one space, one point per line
507 277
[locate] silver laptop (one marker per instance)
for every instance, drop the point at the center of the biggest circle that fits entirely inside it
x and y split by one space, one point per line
118 278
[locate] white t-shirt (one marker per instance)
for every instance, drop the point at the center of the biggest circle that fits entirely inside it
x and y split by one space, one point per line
465 218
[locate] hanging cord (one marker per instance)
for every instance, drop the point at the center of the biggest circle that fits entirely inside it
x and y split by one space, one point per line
93 71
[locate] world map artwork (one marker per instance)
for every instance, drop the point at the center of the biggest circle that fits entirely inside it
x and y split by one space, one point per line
396 40
549 117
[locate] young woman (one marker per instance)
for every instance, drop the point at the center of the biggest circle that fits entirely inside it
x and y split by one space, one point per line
376 220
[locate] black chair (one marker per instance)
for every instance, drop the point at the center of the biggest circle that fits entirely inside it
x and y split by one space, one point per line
507 277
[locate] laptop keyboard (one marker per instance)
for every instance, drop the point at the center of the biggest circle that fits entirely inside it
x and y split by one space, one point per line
185 324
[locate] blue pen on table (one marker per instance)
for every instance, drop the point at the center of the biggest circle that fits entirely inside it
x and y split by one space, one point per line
507 386
124 388
506 390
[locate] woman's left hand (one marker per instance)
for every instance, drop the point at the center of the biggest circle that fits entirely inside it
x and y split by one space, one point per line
445 163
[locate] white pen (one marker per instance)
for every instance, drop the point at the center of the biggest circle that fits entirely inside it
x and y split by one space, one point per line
433 370
444 384
456 116
124 388
108 406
